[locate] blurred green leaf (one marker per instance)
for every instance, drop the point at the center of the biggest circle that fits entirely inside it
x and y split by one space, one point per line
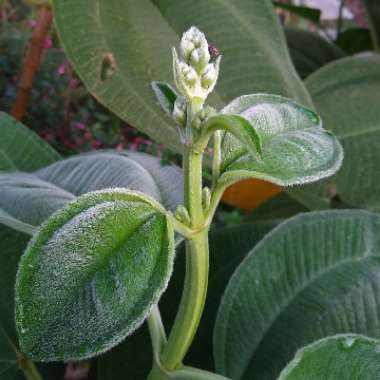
310 51
346 94
311 14
21 148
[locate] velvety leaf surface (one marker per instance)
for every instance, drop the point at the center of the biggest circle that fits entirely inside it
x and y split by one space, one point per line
133 357
344 357
346 94
295 147
90 275
134 38
315 275
21 148
310 51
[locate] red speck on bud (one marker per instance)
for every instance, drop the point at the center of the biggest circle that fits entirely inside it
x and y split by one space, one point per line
213 50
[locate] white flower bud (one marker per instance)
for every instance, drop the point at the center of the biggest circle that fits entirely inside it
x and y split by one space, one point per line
179 111
192 39
194 76
210 76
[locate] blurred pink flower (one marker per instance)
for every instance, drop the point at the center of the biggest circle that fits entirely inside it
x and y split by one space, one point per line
357 9
48 43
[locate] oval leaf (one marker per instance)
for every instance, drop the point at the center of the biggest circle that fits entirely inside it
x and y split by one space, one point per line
315 275
90 275
344 357
295 147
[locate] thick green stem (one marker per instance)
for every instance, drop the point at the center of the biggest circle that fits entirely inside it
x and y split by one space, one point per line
195 287
157 331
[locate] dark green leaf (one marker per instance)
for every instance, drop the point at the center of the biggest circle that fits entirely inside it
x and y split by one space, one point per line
165 95
21 148
346 94
373 10
310 51
133 357
355 40
278 208
138 35
315 275
90 275
344 357
295 147
312 14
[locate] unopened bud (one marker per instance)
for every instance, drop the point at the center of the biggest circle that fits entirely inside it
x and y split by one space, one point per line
206 198
182 215
179 111
202 116
210 76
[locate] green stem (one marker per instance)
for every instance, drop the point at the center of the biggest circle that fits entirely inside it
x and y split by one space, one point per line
189 373
195 288
217 157
157 331
29 368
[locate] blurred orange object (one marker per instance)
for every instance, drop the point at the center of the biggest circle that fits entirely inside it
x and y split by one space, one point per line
250 193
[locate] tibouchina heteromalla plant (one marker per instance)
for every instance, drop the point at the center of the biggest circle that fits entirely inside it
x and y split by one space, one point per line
107 256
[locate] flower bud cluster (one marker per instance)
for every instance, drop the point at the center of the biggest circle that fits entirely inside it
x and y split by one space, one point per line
195 76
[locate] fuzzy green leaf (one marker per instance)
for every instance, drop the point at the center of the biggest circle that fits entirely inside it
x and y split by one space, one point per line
90 275
21 148
165 95
295 147
316 274
237 126
344 357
